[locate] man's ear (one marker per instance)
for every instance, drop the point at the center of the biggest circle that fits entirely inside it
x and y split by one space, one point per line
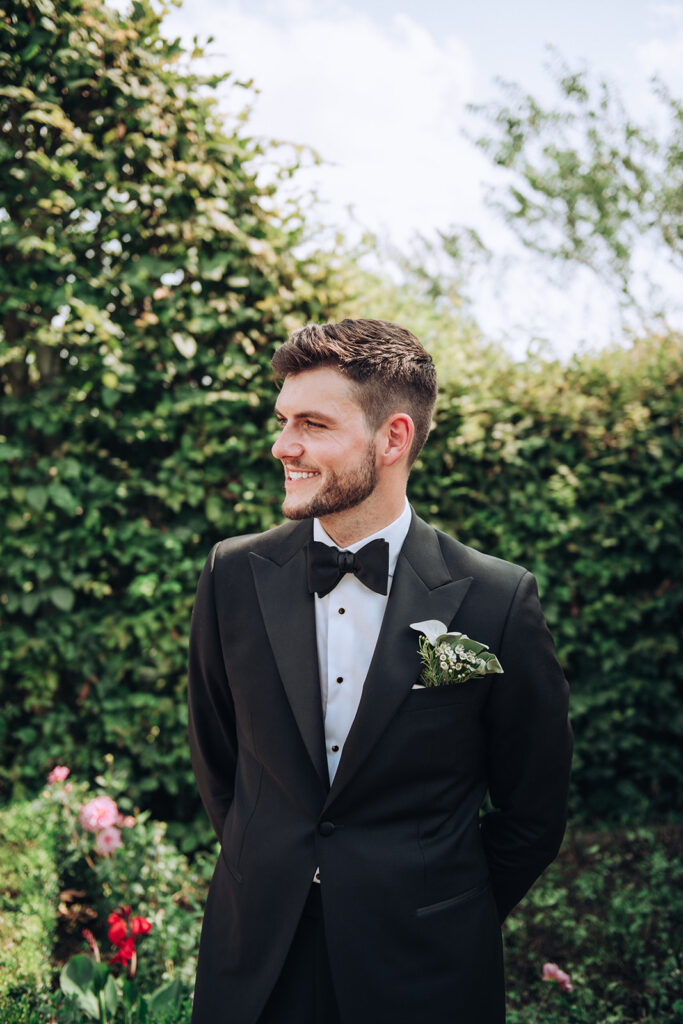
396 438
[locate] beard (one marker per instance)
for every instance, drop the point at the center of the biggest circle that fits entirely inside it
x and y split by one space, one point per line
341 491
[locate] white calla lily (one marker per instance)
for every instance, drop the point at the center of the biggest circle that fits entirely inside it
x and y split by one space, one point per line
431 628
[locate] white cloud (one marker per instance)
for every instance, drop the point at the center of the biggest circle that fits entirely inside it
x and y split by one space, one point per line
383 107
662 53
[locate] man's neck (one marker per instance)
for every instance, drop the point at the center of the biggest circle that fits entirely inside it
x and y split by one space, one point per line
354 524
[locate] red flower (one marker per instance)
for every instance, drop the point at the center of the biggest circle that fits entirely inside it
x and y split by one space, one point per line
122 933
140 926
117 930
126 952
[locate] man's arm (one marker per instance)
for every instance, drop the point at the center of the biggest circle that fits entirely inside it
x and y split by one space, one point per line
530 748
211 715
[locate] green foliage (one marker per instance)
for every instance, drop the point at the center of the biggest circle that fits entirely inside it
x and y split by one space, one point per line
589 184
99 997
92 986
28 899
575 472
31 1007
145 275
610 912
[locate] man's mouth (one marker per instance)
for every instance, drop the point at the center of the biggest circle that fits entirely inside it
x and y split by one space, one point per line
293 474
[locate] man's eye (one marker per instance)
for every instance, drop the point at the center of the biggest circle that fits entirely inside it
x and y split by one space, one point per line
311 423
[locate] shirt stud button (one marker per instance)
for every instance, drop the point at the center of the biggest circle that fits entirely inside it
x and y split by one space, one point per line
335 749
340 679
341 610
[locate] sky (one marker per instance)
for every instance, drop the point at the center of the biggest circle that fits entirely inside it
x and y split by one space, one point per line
380 90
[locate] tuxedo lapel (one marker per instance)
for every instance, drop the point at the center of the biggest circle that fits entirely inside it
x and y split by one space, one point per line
422 588
288 612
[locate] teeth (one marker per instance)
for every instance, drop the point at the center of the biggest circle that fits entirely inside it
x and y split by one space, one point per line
300 476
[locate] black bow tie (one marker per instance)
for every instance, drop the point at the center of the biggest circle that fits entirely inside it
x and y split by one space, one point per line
325 566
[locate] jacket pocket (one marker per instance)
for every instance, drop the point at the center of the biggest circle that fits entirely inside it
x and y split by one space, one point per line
454 901
427 697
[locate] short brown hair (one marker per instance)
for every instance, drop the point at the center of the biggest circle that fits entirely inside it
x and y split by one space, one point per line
391 370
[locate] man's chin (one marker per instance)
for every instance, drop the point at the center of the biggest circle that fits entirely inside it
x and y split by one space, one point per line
293 509
295 513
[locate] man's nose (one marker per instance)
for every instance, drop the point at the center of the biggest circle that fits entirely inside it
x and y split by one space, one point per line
286 446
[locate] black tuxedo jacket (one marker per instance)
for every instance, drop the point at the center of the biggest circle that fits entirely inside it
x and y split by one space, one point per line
414 883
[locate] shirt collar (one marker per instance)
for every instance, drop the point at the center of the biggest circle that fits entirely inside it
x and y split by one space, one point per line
394 534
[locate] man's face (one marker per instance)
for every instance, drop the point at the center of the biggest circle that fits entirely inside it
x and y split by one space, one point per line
325 445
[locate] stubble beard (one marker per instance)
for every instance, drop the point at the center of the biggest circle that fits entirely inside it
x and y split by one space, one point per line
341 492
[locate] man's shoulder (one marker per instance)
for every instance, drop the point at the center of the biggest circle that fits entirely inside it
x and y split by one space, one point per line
469 561
271 543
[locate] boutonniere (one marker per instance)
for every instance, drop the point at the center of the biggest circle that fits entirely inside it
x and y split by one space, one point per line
450 658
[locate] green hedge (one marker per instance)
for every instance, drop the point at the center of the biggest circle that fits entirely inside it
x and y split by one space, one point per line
576 472
573 471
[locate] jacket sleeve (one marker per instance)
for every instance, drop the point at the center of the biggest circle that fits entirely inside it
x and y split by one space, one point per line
529 753
211 716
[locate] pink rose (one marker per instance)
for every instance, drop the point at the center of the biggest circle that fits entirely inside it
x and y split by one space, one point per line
125 821
99 813
551 972
108 840
58 774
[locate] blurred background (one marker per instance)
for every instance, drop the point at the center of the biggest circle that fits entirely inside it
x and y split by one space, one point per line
184 186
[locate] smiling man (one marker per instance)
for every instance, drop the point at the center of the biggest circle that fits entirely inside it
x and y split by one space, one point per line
357 881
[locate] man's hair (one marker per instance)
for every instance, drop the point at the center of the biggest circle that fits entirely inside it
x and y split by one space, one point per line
389 368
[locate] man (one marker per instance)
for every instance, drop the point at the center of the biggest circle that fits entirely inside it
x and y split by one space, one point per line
357 882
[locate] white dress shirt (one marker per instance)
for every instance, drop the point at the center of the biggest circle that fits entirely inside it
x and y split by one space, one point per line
347 623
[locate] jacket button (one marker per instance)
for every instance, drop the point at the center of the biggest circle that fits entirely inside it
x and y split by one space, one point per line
326 828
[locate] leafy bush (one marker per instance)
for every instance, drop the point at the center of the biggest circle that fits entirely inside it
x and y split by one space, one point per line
140 869
122 907
28 898
610 912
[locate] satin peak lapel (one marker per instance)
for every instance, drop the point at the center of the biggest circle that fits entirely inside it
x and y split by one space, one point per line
422 588
289 616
